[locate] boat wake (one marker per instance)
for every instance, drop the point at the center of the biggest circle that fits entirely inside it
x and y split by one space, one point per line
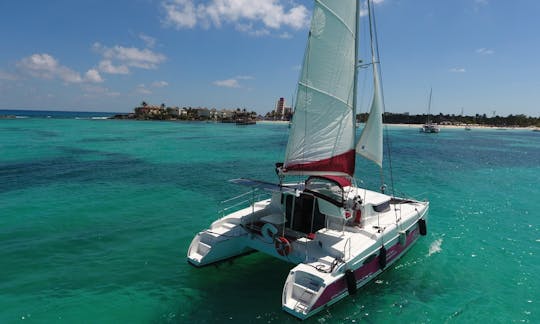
435 247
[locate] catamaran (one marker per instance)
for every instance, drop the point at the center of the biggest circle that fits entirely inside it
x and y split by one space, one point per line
429 127
337 235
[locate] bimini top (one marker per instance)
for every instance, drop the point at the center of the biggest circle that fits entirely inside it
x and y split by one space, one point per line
329 188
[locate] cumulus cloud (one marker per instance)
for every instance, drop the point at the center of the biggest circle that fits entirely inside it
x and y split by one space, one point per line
93 75
106 66
253 17
118 59
45 66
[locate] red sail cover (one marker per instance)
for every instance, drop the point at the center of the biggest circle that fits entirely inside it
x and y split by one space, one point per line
343 163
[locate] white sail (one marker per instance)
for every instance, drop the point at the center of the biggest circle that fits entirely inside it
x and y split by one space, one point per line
322 132
370 144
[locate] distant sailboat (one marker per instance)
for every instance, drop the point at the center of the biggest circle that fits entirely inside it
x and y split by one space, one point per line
429 127
337 235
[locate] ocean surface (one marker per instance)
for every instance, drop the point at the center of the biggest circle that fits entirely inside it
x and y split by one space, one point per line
96 217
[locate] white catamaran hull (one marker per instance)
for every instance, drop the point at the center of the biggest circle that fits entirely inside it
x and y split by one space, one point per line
331 262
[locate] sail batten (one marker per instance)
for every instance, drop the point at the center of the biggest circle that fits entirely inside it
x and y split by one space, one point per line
322 133
325 93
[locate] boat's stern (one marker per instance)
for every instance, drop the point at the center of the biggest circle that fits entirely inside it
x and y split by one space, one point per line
303 290
214 245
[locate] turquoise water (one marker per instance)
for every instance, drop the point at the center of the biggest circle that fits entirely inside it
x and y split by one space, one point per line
96 217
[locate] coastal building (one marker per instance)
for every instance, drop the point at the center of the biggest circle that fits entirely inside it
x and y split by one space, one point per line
149 110
173 111
282 112
280 107
203 113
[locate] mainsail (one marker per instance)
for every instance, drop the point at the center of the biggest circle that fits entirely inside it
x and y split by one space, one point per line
323 130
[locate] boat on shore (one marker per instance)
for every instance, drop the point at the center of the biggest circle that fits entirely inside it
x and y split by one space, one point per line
337 235
241 122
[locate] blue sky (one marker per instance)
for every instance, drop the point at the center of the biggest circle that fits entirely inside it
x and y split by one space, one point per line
478 55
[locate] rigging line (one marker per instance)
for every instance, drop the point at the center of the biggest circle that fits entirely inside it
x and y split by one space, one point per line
376 74
386 133
376 48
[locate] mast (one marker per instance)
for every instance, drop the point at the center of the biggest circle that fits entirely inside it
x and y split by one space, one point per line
429 106
356 61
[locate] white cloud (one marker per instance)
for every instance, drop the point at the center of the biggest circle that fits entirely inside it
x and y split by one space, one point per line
93 75
249 29
148 40
364 8
484 51
159 84
241 13
131 56
47 67
232 82
285 35
458 70
228 83
180 13
106 66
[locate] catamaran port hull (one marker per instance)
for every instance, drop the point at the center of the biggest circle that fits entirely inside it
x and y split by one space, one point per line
307 292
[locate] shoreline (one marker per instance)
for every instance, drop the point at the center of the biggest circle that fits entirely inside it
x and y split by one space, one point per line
418 126
475 127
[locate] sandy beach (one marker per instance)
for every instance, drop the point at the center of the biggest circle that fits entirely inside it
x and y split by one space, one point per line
442 127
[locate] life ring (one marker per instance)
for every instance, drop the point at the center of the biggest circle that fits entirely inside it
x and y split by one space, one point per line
268 232
283 246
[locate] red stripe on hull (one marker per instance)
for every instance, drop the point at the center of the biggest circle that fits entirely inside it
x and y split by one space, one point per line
339 163
364 272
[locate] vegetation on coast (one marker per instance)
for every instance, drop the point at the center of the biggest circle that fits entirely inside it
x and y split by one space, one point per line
162 112
441 119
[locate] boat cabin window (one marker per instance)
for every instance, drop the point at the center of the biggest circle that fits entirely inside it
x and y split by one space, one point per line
302 213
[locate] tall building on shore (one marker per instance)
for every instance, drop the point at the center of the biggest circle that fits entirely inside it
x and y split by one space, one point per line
280 107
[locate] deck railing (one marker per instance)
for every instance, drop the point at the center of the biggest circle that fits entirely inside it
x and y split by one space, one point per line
241 201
